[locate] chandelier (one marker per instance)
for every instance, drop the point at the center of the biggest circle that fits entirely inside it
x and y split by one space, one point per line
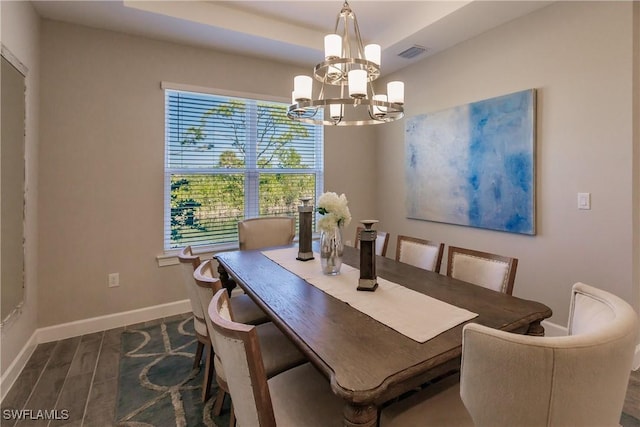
346 96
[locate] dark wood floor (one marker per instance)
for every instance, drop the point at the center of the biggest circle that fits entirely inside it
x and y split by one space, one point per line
632 402
80 375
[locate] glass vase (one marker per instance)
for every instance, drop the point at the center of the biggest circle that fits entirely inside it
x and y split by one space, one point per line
331 249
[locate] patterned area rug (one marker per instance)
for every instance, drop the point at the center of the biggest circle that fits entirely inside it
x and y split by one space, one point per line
157 385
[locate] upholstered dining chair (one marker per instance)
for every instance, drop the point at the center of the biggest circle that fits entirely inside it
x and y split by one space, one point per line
279 354
382 241
300 396
263 232
492 271
421 253
244 309
189 262
575 380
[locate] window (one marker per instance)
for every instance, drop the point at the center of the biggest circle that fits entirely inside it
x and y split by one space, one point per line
230 158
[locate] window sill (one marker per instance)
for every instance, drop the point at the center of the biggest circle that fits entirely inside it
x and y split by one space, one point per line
170 257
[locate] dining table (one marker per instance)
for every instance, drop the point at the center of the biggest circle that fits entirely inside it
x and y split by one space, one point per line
367 361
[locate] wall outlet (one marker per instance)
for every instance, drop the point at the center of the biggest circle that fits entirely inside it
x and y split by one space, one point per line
113 280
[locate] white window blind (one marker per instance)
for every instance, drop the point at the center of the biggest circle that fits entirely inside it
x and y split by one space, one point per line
231 158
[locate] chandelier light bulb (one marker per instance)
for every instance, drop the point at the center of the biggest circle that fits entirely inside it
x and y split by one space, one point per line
332 46
395 92
302 86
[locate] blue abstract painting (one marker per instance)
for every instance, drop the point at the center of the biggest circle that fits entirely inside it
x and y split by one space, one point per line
474 165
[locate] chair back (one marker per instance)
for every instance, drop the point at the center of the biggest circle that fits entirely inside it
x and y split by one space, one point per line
382 241
207 284
189 263
239 350
485 269
576 380
263 232
421 253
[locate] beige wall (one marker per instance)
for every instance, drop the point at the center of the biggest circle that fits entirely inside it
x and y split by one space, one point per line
579 56
20 32
102 160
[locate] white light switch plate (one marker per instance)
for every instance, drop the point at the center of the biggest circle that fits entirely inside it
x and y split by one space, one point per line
584 201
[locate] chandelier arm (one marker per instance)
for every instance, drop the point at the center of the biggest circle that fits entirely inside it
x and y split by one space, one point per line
359 44
346 40
321 94
306 111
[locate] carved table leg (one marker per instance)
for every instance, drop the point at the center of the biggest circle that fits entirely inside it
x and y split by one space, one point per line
360 415
536 329
227 282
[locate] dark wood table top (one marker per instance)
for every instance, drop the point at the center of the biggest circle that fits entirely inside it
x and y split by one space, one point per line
366 361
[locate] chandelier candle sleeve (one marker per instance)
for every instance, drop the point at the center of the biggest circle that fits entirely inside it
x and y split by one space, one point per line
378 110
302 86
372 53
335 111
357 83
395 92
332 46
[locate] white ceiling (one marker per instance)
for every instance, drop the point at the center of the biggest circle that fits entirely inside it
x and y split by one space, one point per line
293 31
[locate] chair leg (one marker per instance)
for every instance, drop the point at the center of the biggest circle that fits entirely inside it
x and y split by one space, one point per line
208 375
198 356
217 406
232 417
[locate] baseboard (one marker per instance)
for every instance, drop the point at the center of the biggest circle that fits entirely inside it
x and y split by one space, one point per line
86 326
12 372
110 321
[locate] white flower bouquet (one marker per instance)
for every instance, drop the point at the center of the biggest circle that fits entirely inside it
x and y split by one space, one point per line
334 211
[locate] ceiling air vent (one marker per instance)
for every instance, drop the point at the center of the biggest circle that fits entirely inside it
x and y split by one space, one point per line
412 52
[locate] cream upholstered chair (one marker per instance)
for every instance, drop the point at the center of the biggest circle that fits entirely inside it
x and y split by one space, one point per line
422 253
244 309
518 380
492 271
297 397
279 353
263 232
189 262
382 241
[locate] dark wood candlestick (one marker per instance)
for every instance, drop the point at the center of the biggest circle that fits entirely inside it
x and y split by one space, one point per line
305 253
368 280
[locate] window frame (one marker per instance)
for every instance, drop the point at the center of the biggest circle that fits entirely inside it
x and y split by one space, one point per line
251 172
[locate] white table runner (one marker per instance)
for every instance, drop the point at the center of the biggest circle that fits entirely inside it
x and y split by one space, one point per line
410 313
